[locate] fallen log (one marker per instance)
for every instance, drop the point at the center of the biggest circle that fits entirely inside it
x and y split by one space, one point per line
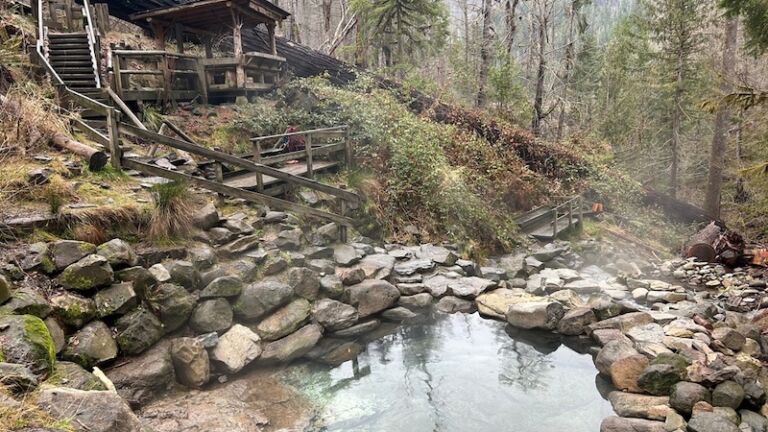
675 208
716 243
96 159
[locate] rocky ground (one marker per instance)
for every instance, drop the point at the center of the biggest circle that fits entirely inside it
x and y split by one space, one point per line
681 341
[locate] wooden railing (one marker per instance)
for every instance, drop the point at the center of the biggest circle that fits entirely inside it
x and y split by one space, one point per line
170 75
94 45
565 211
317 142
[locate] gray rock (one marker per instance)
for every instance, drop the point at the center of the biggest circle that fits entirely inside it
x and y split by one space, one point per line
438 254
408 289
72 309
710 422
236 348
67 252
26 301
623 322
535 315
91 411
377 266
372 296
73 375
142 378
93 271
728 394
5 289
358 329
495 274
621 424
137 331
612 352
185 274
658 379
206 217
118 253
116 300
92 345
450 304
274 264
322 266
285 320
202 257
305 282
190 362
350 275
292 346
640 406
548 253
160 273
731 338
470 287
24 339
346 255
576 321
173 304
334 315
757 422
17 377
141 278
223 286
212 315
318 252
240 246
56 332
220 235
259 299
583 286
414 266
398 314
331 286
604 306
416 301
685 395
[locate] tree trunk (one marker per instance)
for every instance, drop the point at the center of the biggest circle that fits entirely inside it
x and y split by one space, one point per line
702 244
722 121
361 46
485 53
538 101
465 12
511 22
327 4
677 118
569 57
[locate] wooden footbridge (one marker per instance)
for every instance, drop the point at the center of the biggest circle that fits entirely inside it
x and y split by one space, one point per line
549 222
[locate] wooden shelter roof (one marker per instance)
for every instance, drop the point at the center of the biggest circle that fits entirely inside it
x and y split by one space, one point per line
208 15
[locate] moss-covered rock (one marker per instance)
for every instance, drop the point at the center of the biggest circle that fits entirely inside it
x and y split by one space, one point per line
116 300
26 301
24 339
92 345
72 375
72 309
90 272
172 303
68 252
5 289
137 331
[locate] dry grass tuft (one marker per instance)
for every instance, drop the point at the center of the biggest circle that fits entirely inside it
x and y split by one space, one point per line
27 415
97 225
172 217
90 233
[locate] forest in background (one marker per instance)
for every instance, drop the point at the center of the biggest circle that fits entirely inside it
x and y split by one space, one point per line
671 86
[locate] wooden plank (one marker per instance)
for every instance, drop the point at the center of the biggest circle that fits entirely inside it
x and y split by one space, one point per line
308 150
236 192
91 132
115 152
299 155
262 138
86 102
247 180
237 161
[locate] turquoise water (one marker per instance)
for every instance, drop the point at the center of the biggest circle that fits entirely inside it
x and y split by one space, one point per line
457 373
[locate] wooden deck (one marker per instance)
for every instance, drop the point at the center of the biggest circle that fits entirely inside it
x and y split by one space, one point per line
248 180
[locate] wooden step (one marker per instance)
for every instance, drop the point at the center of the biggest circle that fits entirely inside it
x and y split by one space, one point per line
77 76
69 46
74 70
70 53
67 35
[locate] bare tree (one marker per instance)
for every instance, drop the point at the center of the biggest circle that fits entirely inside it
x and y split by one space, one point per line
542 18
722 120
510 17
486 48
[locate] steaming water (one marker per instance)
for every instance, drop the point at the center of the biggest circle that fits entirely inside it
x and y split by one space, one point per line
457 373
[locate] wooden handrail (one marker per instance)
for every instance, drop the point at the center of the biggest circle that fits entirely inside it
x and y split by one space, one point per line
237 161
150 53
92 42
342 127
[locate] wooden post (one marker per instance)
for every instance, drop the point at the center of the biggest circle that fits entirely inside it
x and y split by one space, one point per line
581 212
257 159
179 31
208 47
272 38
115 152
348 149
118 76
308 149
219 172
343 234
163 66
202 79
570 214
102 18
237 43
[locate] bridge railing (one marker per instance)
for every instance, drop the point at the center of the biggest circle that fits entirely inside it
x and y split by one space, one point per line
566 210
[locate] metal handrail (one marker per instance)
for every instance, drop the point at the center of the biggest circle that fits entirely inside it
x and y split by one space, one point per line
328 129
91 41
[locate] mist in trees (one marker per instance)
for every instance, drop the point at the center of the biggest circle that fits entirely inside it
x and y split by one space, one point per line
672 87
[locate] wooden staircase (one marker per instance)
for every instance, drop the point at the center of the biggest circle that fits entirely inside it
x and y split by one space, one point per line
71 57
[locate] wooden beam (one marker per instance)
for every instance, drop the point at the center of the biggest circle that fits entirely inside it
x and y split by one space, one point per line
179 31
237 161
272 38
175 9
236 192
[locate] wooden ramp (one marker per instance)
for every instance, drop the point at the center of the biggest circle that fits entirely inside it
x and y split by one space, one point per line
549 222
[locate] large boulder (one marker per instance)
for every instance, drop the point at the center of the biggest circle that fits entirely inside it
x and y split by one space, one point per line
259 299
576 321
137 331
211 316
24 339
640 406
67 252
626 371
173 304
118 299
89 411
139 379
184 273
305 282
438 254
92 345
535 315
190 361
496 303
345 255
622 424
236 348
206 217
684 395
658 379
728 394
611 352
292 346
378 266
372 296
470 287
223 286
26 301
93 271
72 309
450 304
710 422
285 320
119 253
334 315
